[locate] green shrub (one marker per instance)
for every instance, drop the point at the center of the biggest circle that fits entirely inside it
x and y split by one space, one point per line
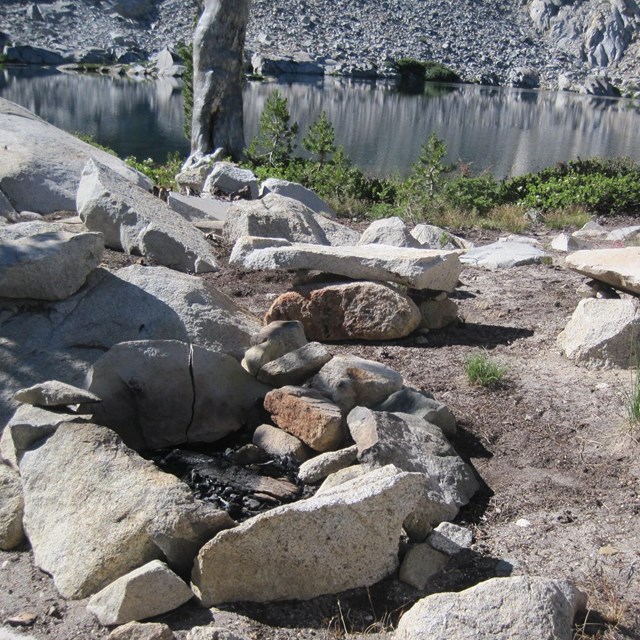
162 174
602 186
474 194
436 72
424 70
483 371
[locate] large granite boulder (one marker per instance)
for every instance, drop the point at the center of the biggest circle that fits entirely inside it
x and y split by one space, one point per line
134 221
619 268
416 268
412 444
346 538
160 304
602 333
518 608
297 192
389 231
348 311
95 510
161 393
40 165
46 266
277 216
231 180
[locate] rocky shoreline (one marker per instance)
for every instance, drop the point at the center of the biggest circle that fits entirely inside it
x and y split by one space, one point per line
589 46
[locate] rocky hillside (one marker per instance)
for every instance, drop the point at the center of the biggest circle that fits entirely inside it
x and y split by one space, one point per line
547 42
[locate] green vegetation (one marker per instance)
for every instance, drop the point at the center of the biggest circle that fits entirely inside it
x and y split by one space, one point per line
275 141
185 51
448 195
422 71
321 139
632 400
89 139
483 371
161 173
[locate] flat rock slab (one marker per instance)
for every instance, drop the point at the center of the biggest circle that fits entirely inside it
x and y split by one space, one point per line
619 268
95 510
47 266
416 268
346 538
54 393
348 311
520 608
40 165
136 222
503 255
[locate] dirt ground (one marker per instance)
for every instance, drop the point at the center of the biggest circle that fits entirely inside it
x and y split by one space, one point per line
559 466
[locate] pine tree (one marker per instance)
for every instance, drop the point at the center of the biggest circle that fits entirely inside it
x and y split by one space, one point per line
276 139
321 139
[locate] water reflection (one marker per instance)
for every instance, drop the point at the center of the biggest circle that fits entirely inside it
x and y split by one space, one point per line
507 131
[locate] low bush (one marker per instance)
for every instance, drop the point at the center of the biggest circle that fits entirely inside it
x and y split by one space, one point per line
161 173
602 186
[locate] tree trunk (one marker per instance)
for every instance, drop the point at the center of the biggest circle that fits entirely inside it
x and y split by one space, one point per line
218 61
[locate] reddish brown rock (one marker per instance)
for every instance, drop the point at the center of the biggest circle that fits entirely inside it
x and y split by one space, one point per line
348 311
307 415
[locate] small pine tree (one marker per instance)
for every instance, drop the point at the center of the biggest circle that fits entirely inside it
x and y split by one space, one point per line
321 139
275 141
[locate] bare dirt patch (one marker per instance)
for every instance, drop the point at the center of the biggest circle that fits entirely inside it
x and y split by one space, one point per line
559 467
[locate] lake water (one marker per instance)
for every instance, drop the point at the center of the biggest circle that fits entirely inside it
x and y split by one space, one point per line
506 131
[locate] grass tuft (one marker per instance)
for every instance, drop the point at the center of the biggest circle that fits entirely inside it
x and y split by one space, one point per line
483 371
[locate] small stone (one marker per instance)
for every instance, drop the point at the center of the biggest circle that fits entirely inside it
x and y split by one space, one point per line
145 592
277 442
351 381
450 538
523 523
22 619
325 464
296 366
420 564
142 631
308 415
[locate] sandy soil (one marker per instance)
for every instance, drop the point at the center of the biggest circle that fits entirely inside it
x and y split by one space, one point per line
558 462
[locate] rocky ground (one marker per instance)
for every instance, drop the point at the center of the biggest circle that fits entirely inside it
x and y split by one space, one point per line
562 42
558 462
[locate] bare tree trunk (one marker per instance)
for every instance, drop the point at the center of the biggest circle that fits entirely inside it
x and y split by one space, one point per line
218 61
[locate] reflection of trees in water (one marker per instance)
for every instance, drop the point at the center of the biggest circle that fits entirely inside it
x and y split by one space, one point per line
506 130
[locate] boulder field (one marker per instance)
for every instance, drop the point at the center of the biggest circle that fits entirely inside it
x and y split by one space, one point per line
140 407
